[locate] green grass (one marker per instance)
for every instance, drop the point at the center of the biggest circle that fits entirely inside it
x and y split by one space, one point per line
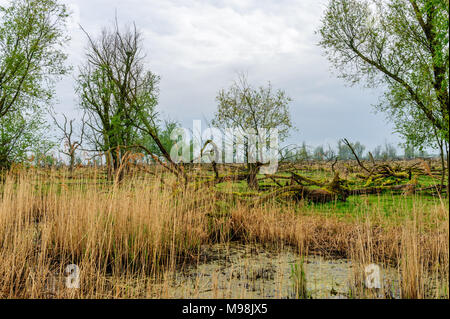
392 207
385 205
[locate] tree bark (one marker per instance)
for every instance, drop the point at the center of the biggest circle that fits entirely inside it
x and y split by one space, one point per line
252 181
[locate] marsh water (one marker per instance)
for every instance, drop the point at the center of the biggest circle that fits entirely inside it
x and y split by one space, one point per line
253 271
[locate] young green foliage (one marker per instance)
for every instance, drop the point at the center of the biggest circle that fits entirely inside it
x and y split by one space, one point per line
32 35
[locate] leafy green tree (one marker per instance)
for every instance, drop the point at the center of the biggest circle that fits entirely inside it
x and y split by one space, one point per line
419 134
42 154
20 135
303 152
376 153
32 36
245 107
410 152
389 151
319 153
359 149
401 46
345 153
118 95
164 136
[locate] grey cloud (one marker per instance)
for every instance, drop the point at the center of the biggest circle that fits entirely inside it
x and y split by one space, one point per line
198 46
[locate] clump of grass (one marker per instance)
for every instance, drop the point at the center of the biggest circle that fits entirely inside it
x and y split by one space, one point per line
298 278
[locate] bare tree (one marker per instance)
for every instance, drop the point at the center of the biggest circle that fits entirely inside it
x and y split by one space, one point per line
71 139
120 96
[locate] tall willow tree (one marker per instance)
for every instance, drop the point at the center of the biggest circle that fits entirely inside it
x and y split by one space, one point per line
32 35
402 47
245 107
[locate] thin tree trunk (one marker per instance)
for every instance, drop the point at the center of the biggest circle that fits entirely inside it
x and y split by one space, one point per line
109 165
72 164
448 168
116 156
442 156
251 177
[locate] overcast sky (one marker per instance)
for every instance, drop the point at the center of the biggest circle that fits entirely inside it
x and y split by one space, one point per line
198 46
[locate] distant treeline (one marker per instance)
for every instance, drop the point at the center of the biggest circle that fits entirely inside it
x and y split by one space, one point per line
341 151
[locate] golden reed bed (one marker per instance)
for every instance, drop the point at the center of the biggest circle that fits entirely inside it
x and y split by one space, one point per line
127 239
